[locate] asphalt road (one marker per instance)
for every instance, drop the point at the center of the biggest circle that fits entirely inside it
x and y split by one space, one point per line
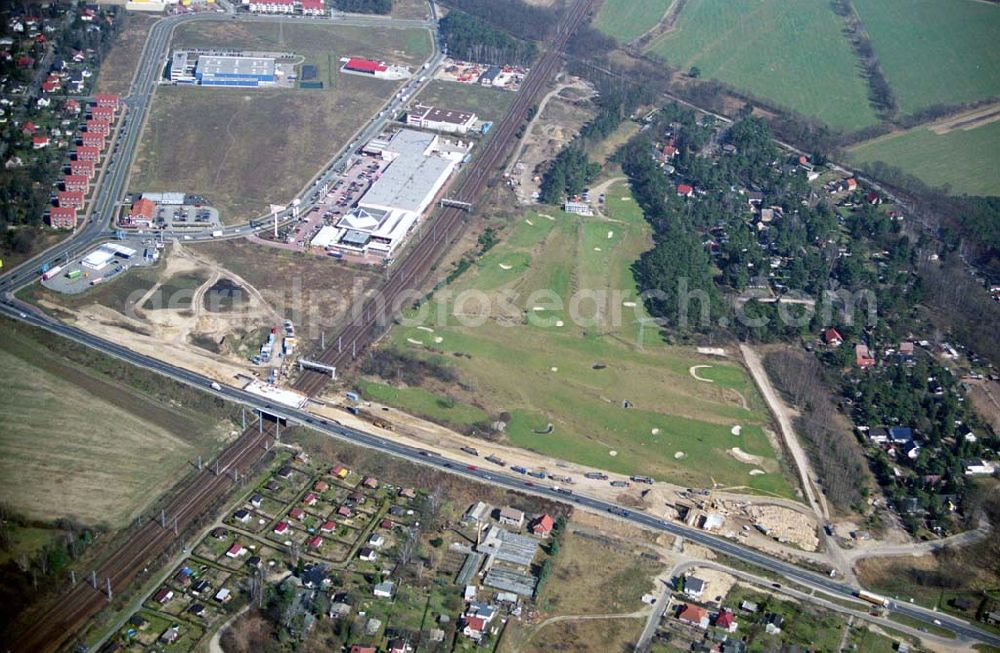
494 475
121 151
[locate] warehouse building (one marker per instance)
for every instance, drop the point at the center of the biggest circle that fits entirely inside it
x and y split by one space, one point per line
103 255
165 199
378 69
444 120
420 164
188 67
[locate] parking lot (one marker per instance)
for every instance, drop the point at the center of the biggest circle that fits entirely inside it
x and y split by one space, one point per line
74 278
187 216
338 199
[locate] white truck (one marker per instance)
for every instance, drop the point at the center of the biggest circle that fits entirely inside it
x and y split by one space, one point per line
217 233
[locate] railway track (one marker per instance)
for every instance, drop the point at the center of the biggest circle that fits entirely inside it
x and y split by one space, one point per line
413 271
52 628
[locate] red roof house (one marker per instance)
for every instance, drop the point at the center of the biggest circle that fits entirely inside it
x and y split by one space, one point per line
315 542
78 183
685 190
28 128
92 139
344 511
310 499
281 528
70 198
62 217
103 113
107 100
97 126
38 142
314 7
72 106
85 168
692 614
321 486
328 526
49 87
832 337
543 525
863 356
727 620
236 550
88 153
669 151
296 513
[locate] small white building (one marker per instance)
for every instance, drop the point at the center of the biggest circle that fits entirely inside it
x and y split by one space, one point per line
444 120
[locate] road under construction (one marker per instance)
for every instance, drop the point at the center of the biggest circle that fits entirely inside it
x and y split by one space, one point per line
69 613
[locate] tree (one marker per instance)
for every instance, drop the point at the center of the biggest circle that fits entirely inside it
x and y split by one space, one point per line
695 72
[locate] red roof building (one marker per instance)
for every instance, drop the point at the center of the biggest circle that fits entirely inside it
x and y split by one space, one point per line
28 128
692 614
339 471
365 66
49 87
315 542
850 184
685 190
92 139
76 183
107 100
70 198
103 113
38 142
62 217
85 168
727 620
296 513
321 486
72 106
328 526
98 127
543 525
142 209
832 337
313 7
88 153
358 648
344 511
863 356
236 550
281 528
669 151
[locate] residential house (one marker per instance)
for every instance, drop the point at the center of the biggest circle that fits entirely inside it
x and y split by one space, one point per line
256 500
297 513
694 587
773 623
310 499
863 356
832 337
328 526
367 554
474 628
685 190
236 550
242 515
315 542
543 525
693 615
164 595
376 541
978 467
370 482
321 486
727 620
224 595
197 609
511 517
407 493
281 528
339 471
345 512
39 142
384 589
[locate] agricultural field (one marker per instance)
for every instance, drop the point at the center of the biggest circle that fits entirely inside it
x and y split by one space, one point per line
625 20
964 159
487 103
797 59
935 52
599 388
223 144
80 446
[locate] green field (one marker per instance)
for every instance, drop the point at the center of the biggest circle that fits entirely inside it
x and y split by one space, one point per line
935 52
245 149
625 20
76 445
966 160
795 56
574 369
487 103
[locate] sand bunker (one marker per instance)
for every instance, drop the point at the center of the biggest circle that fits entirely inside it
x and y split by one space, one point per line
438 339
538 308
414 342
745 457
547 217
655 431
612 453
757 472
427 329
611 235
553 369
693 371
679 455
628 304
736 430
559 323
626 199
530 222
504 266
597 249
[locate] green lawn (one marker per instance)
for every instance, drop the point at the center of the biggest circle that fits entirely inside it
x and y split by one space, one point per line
966 160
935 52
625 20
577 360
794 55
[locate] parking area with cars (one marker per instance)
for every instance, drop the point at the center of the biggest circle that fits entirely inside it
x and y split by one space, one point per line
196 216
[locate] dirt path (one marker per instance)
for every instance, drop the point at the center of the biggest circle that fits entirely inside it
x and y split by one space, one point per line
639 614
693 371
213 644
666 24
